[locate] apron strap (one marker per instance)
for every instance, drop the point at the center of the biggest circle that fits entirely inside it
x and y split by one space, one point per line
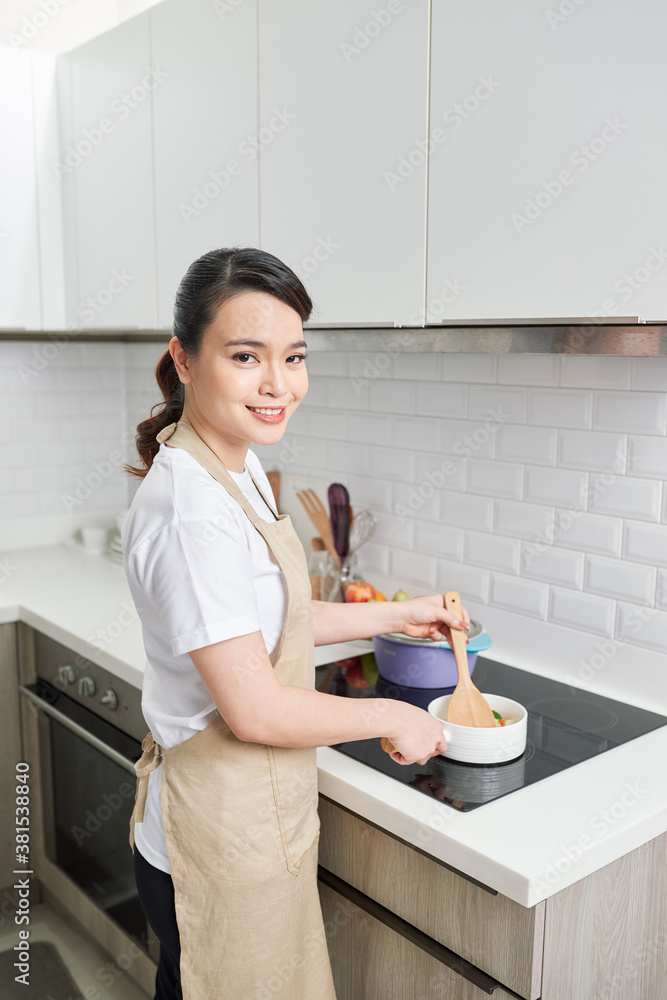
150 760
182 435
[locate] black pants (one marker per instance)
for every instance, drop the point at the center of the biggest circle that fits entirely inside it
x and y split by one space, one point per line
156 894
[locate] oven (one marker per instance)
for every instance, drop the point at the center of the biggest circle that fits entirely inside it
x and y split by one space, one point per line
88 727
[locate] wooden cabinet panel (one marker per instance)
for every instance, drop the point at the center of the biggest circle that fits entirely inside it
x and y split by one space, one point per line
343 175
370 961
606 936
490 931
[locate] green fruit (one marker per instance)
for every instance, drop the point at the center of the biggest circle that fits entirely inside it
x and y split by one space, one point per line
369 667
400 595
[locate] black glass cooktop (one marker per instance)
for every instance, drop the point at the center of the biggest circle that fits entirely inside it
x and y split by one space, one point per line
566 725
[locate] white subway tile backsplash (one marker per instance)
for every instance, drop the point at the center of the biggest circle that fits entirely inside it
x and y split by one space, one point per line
595 373
592 450
391 463
625 496
466 511
80 380
583 611
392 396
440 399
527 444
327 423
497 404
442 472
349 394
492 551
368 491
369 365
560 407
649 373
642 626
419 433
647 456
553 565
620 579
523 520
318 391
47 477
472 583
98 355
661 590
420 367
56 404
102 403
527 369
28 429
465 438
410 501
574 529
414 567
327 362
438 539
645 543
13 505
394 530
374 558
497 479
469 368
632 412
514 594
560 487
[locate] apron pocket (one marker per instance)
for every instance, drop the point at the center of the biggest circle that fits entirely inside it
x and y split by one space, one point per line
294 781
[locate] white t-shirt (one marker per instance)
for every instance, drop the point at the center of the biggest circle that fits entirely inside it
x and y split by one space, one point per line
198 572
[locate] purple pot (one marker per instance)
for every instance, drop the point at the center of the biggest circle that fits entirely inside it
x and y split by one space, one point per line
424 664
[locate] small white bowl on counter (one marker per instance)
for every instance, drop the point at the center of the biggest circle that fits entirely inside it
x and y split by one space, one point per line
484 745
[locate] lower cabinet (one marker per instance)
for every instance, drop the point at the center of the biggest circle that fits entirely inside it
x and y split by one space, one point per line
372 960
10 753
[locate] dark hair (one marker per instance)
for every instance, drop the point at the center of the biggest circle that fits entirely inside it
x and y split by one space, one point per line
207 283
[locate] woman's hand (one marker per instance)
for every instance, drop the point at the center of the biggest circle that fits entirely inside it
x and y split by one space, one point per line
417 736
427 618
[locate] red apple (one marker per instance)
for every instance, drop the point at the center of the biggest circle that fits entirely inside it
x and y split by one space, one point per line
358 591
354 677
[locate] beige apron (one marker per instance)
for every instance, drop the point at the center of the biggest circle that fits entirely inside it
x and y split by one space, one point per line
240 819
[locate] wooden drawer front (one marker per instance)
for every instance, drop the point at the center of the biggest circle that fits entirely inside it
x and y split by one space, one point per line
370 961
490 931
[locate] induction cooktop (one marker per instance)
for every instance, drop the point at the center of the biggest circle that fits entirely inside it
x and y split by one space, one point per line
566 725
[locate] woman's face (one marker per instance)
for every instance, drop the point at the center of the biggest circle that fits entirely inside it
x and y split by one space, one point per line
250 375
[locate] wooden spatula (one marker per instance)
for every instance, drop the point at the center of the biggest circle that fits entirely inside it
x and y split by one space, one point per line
467 706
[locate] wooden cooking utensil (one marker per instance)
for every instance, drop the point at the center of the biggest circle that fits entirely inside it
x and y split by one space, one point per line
314 508
467 706
473 708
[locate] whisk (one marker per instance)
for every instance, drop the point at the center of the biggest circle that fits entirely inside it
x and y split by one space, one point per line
363 527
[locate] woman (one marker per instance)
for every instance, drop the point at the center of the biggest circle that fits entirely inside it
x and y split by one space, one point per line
225 827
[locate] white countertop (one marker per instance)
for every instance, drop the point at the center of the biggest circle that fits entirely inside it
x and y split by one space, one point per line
527 845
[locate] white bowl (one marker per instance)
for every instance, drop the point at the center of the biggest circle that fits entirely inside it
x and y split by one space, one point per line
484 745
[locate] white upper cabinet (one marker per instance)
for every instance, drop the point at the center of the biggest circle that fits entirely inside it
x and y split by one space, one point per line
546 179
20 304
205 125
106 158
342 115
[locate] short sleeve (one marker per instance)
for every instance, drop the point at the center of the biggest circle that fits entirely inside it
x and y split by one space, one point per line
198 574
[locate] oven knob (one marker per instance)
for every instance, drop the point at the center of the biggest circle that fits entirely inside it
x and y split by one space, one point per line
110 699
67 674
87 686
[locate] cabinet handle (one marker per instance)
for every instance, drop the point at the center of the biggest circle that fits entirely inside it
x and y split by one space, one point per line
428 944
56 714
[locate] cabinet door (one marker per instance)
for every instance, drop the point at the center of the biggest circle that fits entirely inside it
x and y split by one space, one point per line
106 152
546 187
343 110
370 960
19 264
205 124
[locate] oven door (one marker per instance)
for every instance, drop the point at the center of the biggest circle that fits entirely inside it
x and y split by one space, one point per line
89 788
